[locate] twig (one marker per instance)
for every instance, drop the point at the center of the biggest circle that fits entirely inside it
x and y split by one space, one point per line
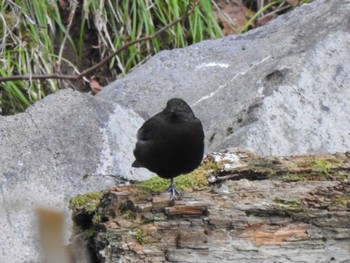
106 59
37 77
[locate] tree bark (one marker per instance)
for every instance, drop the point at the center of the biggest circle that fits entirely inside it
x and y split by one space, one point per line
255 209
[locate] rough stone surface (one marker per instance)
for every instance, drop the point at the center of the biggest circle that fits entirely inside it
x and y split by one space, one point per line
279 89
66 144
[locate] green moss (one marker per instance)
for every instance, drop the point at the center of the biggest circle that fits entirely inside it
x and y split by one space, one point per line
342 201
154 219
321 166
158 218
140 236
112 237
291 177
341 176
96 219
196 179
229 131
182 182
88 201
286 202
299 213
291 208
155 183
285 208
129 215
262 166
91 232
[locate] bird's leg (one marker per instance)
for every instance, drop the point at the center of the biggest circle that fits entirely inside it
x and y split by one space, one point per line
172 190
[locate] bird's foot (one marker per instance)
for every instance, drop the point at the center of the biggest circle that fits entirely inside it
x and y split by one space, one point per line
173 192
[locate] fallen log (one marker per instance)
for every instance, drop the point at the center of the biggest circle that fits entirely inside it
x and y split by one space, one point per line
254 209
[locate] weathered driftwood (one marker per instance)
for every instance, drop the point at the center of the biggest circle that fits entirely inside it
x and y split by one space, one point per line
257 209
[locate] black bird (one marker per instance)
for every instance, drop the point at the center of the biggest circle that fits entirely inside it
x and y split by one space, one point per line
170 143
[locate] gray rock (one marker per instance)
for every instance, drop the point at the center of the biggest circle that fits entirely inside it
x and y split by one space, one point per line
66 144
279 89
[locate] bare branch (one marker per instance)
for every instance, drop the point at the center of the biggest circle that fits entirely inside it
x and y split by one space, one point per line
39 77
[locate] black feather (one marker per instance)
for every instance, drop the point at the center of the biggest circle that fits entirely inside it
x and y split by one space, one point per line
171 142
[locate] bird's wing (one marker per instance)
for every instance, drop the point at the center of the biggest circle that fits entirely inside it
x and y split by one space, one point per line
146 131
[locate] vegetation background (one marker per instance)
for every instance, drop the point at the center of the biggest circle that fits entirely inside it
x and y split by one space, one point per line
67 36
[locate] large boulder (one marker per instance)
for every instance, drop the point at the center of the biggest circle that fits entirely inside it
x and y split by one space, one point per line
67 144
279 89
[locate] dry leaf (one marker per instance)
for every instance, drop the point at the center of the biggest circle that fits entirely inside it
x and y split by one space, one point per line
63 4
232 17
293 2
95 85
265 20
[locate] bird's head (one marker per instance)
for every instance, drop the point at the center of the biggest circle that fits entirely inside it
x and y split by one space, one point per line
177 105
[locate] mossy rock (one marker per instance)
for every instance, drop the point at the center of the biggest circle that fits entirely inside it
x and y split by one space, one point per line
88 202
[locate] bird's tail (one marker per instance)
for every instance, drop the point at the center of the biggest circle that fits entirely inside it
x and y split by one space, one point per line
136 164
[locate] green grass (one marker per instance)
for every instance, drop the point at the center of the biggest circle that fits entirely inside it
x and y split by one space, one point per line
259 12
35 36
28 28
38 38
